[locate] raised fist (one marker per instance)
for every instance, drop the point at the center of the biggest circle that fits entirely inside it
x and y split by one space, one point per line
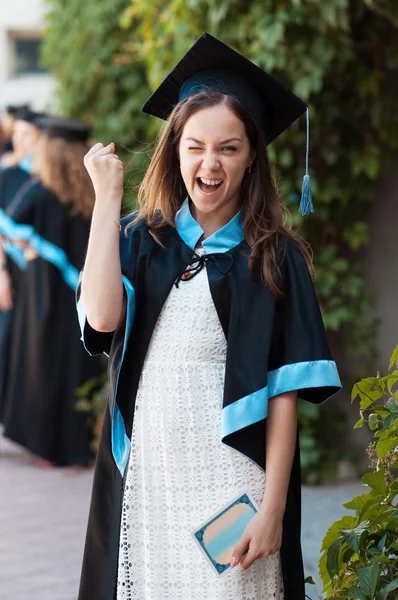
106 172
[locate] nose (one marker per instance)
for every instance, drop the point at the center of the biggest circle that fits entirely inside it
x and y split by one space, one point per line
210 162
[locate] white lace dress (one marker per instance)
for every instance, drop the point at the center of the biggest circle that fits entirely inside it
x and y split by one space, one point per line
179 471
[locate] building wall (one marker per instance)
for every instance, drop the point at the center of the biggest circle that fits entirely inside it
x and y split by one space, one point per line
20 19
381 264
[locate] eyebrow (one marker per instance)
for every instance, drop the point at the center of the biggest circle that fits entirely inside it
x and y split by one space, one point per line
236 139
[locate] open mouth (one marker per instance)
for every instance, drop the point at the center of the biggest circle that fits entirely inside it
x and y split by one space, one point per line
208 186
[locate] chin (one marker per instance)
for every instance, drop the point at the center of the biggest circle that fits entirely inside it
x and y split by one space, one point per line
206 204
206 207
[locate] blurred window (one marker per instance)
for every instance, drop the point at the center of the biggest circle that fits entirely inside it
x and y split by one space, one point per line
25 51
27 57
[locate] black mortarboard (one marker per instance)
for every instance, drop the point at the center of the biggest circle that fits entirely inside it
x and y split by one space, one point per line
210 64
67 129
28 115
13 109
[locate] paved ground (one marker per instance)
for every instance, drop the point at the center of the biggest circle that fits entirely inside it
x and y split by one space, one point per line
43 515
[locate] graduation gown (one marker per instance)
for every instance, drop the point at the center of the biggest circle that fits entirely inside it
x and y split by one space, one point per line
47 360
11 180
273 346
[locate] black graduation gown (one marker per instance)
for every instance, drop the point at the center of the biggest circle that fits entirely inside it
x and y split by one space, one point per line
48 362
11 180
274 346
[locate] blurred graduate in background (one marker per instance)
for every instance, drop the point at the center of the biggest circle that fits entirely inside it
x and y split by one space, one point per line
25 135
7 122
52 219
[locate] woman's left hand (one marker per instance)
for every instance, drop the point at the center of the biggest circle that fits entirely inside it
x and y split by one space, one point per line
261 538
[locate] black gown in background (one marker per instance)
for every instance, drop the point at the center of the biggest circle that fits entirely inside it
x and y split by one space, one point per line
48 361
11 181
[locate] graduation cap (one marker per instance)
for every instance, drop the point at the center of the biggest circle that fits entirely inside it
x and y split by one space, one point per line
211 65
13 109
25 114
65 128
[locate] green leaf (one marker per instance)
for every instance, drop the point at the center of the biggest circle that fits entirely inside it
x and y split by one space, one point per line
357 502
348 555
392 524
382 542
368 399
368 578
388 421
368 382
371 509
394 359
354 393
375 480
332 564
346 522
392 380
323 572
373 421
383 560
353 536
310 581
383 411
359 423
392 404
382 434
385 591
384 447
357 593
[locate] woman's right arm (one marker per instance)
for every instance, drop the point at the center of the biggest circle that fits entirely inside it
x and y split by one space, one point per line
102 286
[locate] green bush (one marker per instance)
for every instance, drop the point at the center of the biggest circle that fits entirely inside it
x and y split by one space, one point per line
91 399
360 552
84 48
319 453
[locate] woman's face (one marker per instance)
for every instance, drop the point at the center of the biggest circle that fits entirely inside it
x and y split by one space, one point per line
214 154
24 138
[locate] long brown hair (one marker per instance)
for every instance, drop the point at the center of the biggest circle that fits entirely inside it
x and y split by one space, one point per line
162 191
60 166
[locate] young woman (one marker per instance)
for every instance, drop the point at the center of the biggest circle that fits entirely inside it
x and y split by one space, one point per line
25 135
53 215
206 307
